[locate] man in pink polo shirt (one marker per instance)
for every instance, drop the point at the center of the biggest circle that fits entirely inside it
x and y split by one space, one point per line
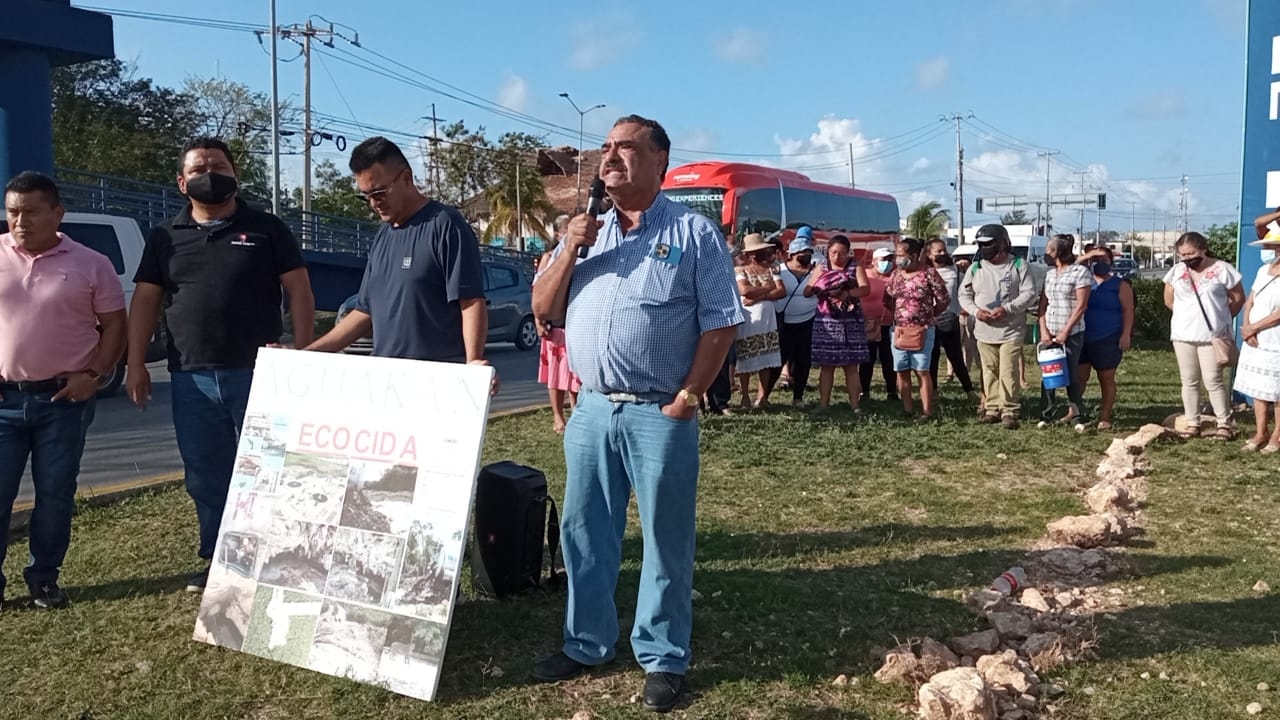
62 327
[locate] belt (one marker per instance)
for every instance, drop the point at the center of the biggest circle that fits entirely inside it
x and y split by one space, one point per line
33 386
639 398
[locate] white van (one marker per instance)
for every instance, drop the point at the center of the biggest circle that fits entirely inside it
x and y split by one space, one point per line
121 240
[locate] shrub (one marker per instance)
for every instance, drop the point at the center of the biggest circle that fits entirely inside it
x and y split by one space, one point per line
1150 316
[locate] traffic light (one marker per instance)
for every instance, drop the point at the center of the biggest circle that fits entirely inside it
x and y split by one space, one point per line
978 203
1102 201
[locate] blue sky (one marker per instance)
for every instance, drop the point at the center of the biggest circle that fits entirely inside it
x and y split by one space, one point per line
1135 93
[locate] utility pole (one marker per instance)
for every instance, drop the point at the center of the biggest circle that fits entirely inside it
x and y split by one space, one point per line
851 179
1047 155
519 214
1082 173
275 120
433 172
1153 234
1182 207
956 118
1133 239
309 32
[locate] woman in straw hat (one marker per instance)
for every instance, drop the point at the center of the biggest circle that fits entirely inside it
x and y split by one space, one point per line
759 284
1258 372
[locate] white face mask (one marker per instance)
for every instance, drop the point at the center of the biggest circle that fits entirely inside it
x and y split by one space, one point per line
1268 256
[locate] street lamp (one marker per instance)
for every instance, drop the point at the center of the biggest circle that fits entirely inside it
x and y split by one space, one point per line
582 114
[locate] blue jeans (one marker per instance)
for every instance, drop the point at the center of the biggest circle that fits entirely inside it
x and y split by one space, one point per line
918 360
612 449
208 412
52 434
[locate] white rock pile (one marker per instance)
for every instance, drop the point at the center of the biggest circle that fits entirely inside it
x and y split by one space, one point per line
994 674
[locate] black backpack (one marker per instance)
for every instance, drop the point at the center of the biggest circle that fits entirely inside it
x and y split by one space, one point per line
508 554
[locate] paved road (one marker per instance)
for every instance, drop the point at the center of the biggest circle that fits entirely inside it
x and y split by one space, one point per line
126 445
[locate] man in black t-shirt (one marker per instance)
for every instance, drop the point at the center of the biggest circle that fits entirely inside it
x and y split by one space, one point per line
422 296
216 271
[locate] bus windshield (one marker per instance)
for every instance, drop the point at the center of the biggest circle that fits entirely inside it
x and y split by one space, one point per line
704 201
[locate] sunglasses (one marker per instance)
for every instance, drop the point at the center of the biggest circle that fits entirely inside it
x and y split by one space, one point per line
377 193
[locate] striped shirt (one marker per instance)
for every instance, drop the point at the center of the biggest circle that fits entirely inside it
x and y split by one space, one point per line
639 302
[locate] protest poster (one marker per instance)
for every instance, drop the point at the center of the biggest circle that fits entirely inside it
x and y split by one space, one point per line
343 533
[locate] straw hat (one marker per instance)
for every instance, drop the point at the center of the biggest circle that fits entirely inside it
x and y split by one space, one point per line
754 242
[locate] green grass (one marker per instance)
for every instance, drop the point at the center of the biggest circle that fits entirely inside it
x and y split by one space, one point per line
818 541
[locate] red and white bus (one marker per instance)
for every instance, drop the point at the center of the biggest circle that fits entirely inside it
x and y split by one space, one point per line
745 198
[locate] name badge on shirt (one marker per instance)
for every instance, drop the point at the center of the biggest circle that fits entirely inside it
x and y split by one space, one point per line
666 253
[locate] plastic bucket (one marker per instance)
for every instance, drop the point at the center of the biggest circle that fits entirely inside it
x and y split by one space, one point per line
1053 368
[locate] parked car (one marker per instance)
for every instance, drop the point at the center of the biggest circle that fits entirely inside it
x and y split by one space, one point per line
1124 268
509 297
121 240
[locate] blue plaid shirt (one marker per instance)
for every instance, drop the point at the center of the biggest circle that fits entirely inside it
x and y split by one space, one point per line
638 303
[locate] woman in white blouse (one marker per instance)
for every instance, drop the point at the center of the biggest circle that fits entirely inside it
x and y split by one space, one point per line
1258 374
1205 295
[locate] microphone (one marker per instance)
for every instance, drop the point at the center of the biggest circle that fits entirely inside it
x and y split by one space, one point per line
595 198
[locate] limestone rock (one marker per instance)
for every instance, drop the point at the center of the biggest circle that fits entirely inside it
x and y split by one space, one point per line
959 694
976 644
1110 496
1253 708
1146 435
1083 531
1007 670
841 679
1010 624
1119 449
936 657
1262 586
900 665
1119 469
1033 599
1064 600
583 715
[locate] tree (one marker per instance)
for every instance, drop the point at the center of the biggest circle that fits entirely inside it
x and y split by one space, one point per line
241 117
926 221
466 162
1015 217
107 120
518 202
1222 241
333 193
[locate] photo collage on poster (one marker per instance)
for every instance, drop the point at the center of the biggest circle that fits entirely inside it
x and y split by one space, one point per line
338 564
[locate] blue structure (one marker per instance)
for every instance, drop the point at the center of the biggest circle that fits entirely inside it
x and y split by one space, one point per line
35 37
1260 184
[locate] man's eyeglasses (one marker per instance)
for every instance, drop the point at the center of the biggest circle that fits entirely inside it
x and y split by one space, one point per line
375 194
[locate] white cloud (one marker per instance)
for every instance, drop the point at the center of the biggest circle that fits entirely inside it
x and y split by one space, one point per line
514 93
602 42
923 163
741 45
1159 106
933 74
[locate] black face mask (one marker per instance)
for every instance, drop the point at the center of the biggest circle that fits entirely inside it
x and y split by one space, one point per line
986 252
212 188
1101 268
803 260
1194 262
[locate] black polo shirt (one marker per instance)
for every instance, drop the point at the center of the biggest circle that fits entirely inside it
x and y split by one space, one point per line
221 285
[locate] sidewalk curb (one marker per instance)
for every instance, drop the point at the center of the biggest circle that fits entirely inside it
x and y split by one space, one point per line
101 496
127 488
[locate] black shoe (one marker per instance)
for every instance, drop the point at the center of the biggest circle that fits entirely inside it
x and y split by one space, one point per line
662 691
48 596
558 667
198 581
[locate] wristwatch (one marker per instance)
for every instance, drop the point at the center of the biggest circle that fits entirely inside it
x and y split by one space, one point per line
689 398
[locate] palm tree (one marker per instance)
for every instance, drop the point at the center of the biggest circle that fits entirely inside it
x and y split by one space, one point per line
1015 217
512 209
926 221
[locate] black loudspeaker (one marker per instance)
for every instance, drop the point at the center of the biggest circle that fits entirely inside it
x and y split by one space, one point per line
513 516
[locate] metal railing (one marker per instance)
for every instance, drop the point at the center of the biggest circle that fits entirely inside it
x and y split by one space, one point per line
150 204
